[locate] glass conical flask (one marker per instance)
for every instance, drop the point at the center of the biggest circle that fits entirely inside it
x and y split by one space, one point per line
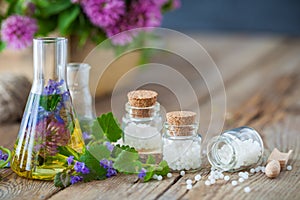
49 121
78 83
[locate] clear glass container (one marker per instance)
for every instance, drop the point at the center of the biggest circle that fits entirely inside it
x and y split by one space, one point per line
49 121
182 147
235 149
142 128
78 83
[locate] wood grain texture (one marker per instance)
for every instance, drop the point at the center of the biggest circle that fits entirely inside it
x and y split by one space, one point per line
262 84
15 187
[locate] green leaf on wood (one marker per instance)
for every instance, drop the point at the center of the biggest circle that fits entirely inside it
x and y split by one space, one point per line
93 164
163 168
128 162
149 174
119 149
99 151
62 179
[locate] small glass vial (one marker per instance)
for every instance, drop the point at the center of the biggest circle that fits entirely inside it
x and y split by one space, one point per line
142 123
181 142
235 149
78 83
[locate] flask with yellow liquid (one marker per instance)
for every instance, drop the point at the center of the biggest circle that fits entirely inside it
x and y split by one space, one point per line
49 122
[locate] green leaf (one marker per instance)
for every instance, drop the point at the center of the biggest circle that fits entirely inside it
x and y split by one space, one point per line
110 127
49 102
68 151
93 164
14 7
163 168
97 130
66 18
119 149
2 46
99 151
150 160
149 174
46 25
62 179
128 162
52 8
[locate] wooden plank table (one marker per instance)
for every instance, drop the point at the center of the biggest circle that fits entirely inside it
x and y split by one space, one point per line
262 82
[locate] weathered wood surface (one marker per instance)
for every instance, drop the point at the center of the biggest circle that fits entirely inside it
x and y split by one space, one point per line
262 81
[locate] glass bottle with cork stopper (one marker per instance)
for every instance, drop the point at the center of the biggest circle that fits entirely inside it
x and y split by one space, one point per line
142 123
181 142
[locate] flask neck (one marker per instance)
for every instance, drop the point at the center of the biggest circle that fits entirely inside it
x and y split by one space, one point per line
78 75
142 113
180 130
222 153
50 58
78 84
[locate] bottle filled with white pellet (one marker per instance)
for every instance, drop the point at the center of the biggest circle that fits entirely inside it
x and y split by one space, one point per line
181 142
235 149
142 123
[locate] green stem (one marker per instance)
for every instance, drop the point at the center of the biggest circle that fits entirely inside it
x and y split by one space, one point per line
5 150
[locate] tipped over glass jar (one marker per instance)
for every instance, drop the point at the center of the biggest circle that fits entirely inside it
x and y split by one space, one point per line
235 149
142 123
181 142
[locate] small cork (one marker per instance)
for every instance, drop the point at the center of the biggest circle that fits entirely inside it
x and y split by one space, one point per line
179 120
142 99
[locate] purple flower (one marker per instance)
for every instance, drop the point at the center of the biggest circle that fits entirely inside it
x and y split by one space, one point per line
30 8
76 179
78 166
86 135
108 165
103 13
54 87
3 156
109 146
85 170
81 168
50 134
141 14
160 3
142 173
176 4
70 160
17 31
75 1
111 172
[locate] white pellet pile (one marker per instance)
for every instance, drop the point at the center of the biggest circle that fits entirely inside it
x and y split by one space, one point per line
182 154
142 137
249 152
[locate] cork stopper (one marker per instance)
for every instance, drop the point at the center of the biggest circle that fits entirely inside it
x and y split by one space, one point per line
180 121
142 100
